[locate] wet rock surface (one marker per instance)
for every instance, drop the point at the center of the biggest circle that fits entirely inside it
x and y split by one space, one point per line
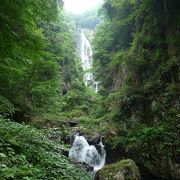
85 166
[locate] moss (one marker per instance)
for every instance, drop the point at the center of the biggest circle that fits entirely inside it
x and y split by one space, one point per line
122 170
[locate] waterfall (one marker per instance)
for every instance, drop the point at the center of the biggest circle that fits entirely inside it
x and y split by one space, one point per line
86 60
85 153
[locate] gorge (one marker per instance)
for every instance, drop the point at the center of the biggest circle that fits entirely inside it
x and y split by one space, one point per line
92 95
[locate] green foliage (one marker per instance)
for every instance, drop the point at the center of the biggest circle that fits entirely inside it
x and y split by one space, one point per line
81 101
38 58
28 73
151 145
135 68
6 107
137 65
26 153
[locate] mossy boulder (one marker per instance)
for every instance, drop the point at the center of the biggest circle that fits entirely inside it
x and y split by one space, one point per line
122 170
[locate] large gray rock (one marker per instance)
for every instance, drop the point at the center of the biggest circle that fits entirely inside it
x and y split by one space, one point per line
122 170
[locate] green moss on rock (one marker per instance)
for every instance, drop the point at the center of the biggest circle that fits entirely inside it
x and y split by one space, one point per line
122 170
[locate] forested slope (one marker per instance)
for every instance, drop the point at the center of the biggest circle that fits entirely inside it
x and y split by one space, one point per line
38 56
39 71
136 61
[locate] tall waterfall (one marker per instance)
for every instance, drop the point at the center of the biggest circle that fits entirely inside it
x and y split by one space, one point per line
86 58
85 153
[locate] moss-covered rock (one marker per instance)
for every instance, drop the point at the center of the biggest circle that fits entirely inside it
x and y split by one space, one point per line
122 170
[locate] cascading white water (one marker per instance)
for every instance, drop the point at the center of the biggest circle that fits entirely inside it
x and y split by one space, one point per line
86 58
85 153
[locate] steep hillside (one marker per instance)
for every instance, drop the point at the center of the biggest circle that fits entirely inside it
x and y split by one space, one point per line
136 57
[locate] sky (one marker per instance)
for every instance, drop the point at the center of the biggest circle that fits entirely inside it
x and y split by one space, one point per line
80 6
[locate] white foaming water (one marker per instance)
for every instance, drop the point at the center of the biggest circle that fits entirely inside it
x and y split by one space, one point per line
86 58
85 153
103 157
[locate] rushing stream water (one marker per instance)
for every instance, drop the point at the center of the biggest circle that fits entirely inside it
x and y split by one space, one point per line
86 60
82 152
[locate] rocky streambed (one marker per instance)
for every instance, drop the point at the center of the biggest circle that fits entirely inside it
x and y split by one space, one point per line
118 163
91 154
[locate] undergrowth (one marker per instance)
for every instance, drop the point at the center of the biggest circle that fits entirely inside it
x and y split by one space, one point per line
26 153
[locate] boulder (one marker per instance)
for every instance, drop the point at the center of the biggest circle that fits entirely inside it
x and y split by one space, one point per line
93 139
71 122
122 170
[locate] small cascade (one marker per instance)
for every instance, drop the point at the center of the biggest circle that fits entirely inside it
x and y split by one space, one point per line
86 60
82 152
103 156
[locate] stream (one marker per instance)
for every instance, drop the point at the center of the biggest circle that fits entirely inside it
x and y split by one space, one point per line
82 152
